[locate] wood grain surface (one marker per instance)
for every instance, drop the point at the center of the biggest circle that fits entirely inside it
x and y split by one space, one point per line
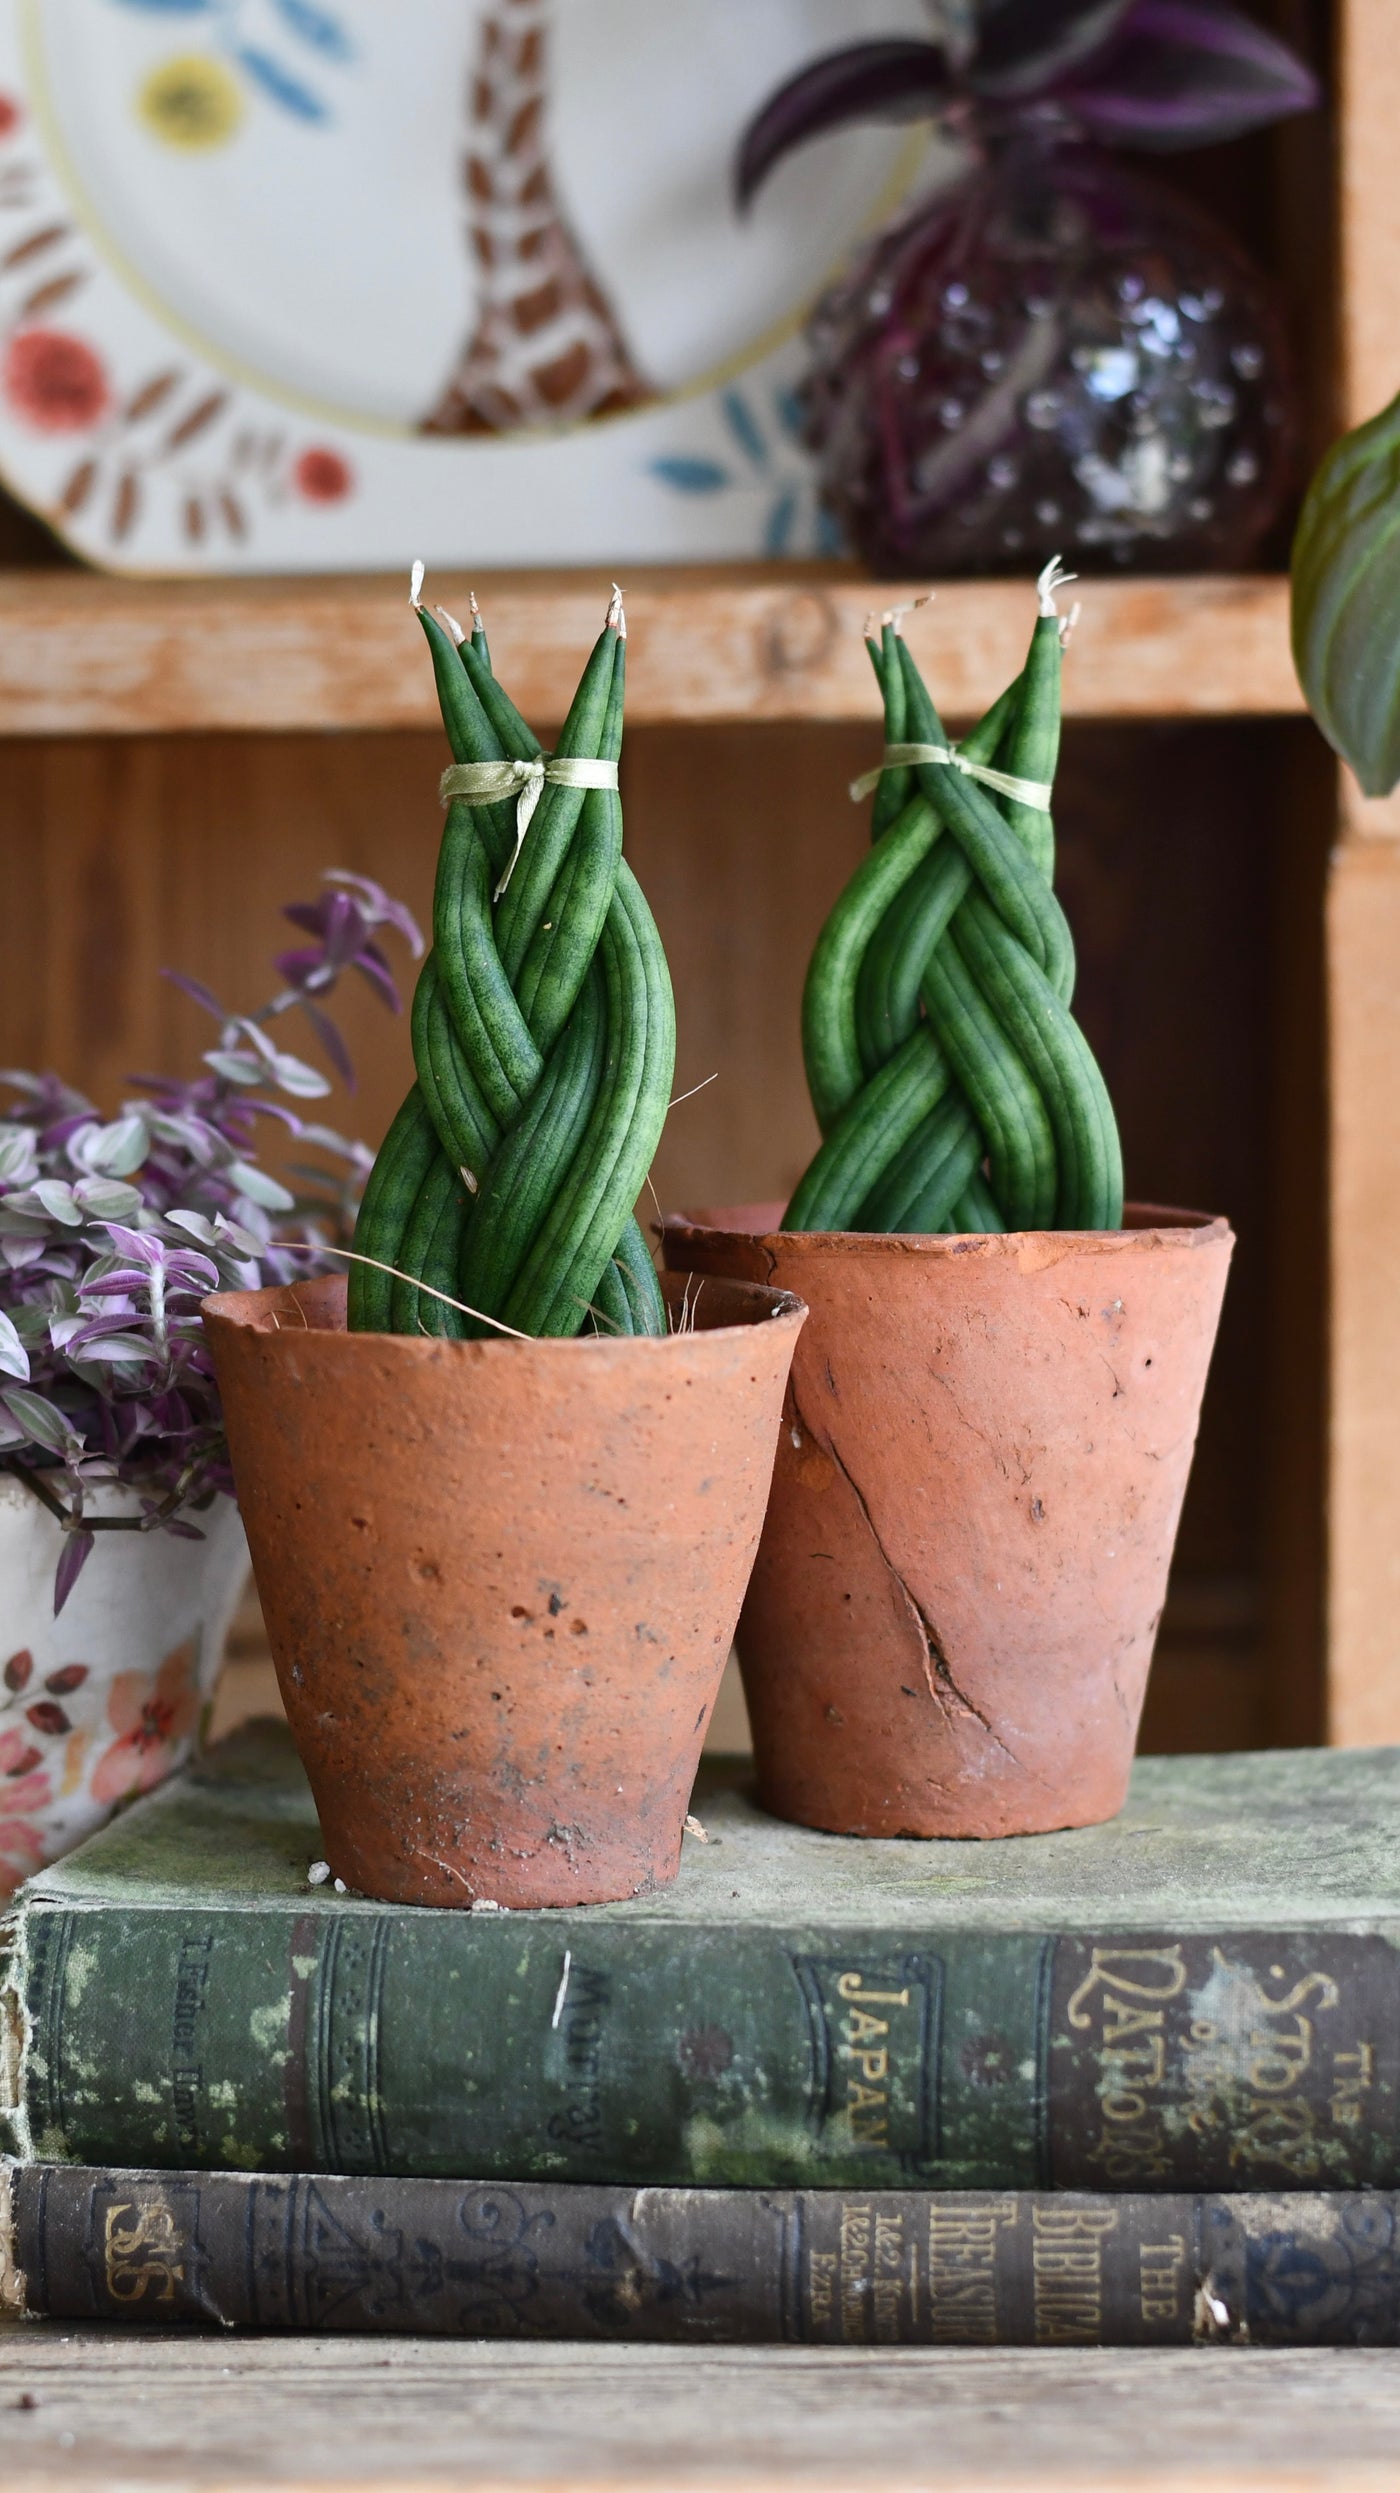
146 2412
87 656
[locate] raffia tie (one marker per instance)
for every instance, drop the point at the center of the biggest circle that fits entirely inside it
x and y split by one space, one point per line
490 783
1004 782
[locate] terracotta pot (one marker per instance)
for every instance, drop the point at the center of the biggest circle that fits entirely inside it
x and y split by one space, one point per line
111 1696
978 1485
501 1579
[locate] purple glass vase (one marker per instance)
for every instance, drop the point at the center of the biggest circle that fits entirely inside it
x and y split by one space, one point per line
1053 353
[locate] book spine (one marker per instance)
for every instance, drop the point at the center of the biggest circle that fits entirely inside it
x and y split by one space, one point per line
891 2268
345 2038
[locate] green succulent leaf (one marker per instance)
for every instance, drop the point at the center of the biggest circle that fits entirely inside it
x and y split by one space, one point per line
1346 600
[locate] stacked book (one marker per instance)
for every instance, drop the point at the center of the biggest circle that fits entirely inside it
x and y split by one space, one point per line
1134 2084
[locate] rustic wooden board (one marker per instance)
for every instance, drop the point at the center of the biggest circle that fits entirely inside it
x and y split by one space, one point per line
150 2413
1363 980
84 656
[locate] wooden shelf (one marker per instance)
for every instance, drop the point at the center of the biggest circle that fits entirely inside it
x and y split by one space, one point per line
84 2408
81 655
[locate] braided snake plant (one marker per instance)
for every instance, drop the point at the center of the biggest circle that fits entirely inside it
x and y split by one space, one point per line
953 1087
543 1034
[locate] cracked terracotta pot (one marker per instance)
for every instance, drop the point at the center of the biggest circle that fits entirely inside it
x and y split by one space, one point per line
500 1579
984 1453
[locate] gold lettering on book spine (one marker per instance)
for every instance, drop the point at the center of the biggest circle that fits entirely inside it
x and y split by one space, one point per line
962 2271
1126 1993
1254 2050
864 2045
1067 2262
143 2252
889 2281
823 2279
1353 2076
857 2232
1162 2280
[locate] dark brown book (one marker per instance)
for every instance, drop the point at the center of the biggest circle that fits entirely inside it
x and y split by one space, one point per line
571 2260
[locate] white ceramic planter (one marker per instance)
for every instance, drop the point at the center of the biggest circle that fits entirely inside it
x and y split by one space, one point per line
111 1697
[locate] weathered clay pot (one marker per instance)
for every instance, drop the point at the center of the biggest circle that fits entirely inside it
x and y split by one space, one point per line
500 1579
978 1485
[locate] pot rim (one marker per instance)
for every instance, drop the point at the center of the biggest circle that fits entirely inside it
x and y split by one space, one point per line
1156 1226
257 1311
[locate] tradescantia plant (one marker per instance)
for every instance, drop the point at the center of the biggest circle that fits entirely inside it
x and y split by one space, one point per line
113 1230
954 1089
1152 74
543 1033
1346 599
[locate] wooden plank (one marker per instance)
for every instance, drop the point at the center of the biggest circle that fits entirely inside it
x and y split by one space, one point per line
1363 938
1368 114
130 2412
1363 973
81 655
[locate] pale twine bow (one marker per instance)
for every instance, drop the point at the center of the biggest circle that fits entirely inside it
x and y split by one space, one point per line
1004 782
490 783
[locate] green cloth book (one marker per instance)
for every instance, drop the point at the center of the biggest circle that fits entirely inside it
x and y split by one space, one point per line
1203 1995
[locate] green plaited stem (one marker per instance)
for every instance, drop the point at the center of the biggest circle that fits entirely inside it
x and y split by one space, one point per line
953 1087
544 1045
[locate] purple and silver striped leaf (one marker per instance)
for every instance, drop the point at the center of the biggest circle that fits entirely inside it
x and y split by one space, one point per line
892 80
1026 46
1185 73
72 1558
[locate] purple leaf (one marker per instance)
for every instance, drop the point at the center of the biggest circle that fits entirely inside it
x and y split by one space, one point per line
378 909
272 1108
1185 73
306 968
308 914
119 1279
331 1041
195 987
119 1350
371 964
1023 46
188 1271
881 81
73 1557
140 1244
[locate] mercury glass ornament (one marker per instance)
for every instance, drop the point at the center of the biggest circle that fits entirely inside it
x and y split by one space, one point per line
1055 348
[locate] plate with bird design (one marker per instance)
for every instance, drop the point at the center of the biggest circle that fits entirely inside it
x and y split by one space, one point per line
316 284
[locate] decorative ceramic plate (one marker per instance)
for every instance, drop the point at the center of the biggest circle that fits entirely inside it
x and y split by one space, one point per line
319 284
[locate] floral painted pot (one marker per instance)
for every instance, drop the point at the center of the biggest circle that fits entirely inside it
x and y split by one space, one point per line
112 1696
